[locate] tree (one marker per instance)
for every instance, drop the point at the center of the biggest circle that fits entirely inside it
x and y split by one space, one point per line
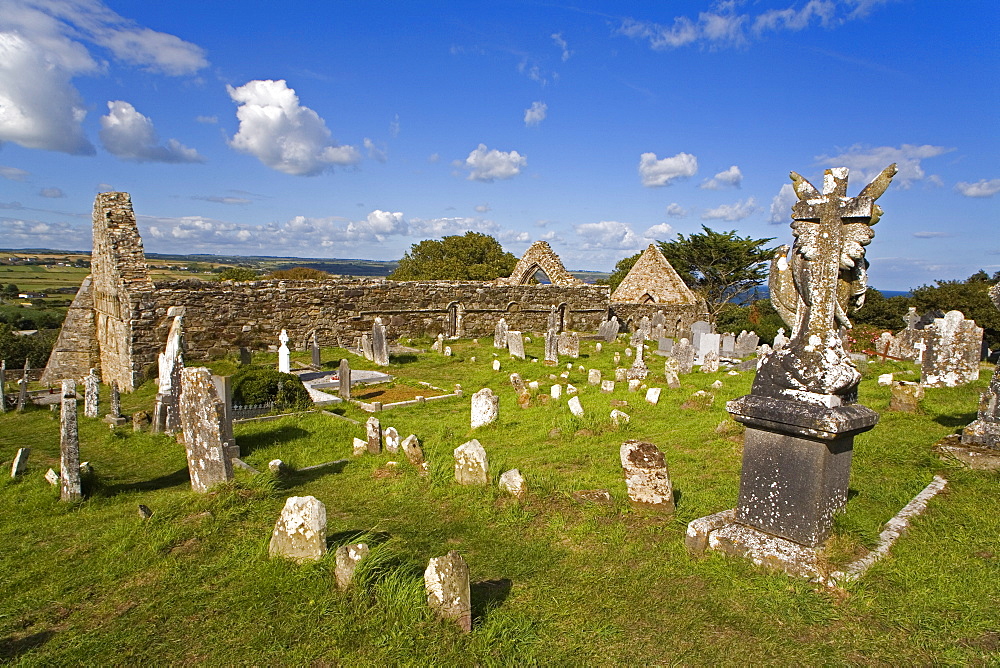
718 266
969 296
238 274
880 312
621 271
469 257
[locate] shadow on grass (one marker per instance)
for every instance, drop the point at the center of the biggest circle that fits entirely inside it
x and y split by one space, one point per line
11 648
178 477
310 473
956 420
250 442
488 595
406 358
370 538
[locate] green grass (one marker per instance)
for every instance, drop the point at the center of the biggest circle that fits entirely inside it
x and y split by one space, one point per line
555 582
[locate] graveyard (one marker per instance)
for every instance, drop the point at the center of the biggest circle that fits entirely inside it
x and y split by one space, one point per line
555 577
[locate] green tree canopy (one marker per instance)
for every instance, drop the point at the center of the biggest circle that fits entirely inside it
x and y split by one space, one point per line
969 296
469 257
238 274
881 312
718 266
621 271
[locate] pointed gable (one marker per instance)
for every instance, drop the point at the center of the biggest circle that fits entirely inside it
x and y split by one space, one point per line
540 256
652 280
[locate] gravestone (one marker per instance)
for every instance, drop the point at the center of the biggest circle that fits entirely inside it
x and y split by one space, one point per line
954 346
246 357
594 376
411 448
300 532
485 408
646 476
140 420
513 483
659 319
552 346
608 330
202 419
575 407
671 371
553 319
515 344
710 363
621 375
496 365
638 370
70 488
114 417
166 410
985 430
314 351
344 379
348 557
607 386
708 343
780 340
500 334
518 384
664 345
471 465
20 463
698 329
224 392
91 394
801 415
569 344
619 418
391 437
284 356
366 347
556 391
380 344
359 446
446 581
22 392
728 344
906 397
373 435
616 359
684 354
746 344
653 395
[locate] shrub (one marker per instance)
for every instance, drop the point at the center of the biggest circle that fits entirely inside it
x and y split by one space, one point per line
260 385
238 274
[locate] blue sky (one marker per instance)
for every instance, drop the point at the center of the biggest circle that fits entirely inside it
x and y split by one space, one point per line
357 129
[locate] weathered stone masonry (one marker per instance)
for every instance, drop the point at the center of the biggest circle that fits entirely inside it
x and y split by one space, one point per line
130 322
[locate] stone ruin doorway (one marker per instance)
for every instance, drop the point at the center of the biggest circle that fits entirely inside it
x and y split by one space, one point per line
453 321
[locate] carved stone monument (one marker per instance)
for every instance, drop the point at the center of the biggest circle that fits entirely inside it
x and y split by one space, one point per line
801 415
284 356
70 488
203 422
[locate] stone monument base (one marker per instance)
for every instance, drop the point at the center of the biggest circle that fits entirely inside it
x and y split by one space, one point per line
971 455
723 533
114 420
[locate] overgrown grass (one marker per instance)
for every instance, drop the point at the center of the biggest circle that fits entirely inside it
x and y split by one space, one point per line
555 582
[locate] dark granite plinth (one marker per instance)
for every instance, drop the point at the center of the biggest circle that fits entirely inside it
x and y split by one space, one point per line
796 464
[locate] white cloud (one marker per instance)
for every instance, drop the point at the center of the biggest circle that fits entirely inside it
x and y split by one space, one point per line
731 178
981 188
561 43
394 126
375 151
931 235
732 212
535 114
219 199
439 227
434 157
283 134
21 233
129 135
378 225
489 165
658 231
483 208
13 173
514 236
610 235
42 49
781 205
207 120
52 193
675 210
722 26
657 173
869 162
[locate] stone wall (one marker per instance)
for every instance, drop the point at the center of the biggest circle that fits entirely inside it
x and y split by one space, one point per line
679 317
76 348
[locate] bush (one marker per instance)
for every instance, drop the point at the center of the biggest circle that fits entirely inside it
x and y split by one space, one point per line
258 384
300 274
238 274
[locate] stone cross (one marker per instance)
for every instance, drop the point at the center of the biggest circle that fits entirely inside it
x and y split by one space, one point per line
70 488
284 356
202 418
911 318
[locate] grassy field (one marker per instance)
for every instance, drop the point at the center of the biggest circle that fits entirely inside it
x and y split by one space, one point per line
555 582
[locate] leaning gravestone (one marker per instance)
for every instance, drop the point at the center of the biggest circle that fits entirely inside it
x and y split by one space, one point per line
518 384
202 419
91 394
485 408
471 465
380 344
411 448
446 581
515 343
20 464
3 386
366 347
954 346
513 483
300 532
500 334
646 475
70 488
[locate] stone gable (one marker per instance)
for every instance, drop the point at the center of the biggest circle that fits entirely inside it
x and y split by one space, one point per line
653 280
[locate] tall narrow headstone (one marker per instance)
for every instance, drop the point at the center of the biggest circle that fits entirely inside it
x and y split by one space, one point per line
224 391
166 411
202 419
471 465
317 363
684 353
70 488
446 581
366 347
515 343
300 532
91 394
20 464
380 345
344 379
552 321
373 435
500 334
284 355
116 400
246 357
552 346
728 344
485 408
22 390
3 386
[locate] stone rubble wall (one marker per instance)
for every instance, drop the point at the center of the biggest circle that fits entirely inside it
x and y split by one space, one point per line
679 317
76 347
